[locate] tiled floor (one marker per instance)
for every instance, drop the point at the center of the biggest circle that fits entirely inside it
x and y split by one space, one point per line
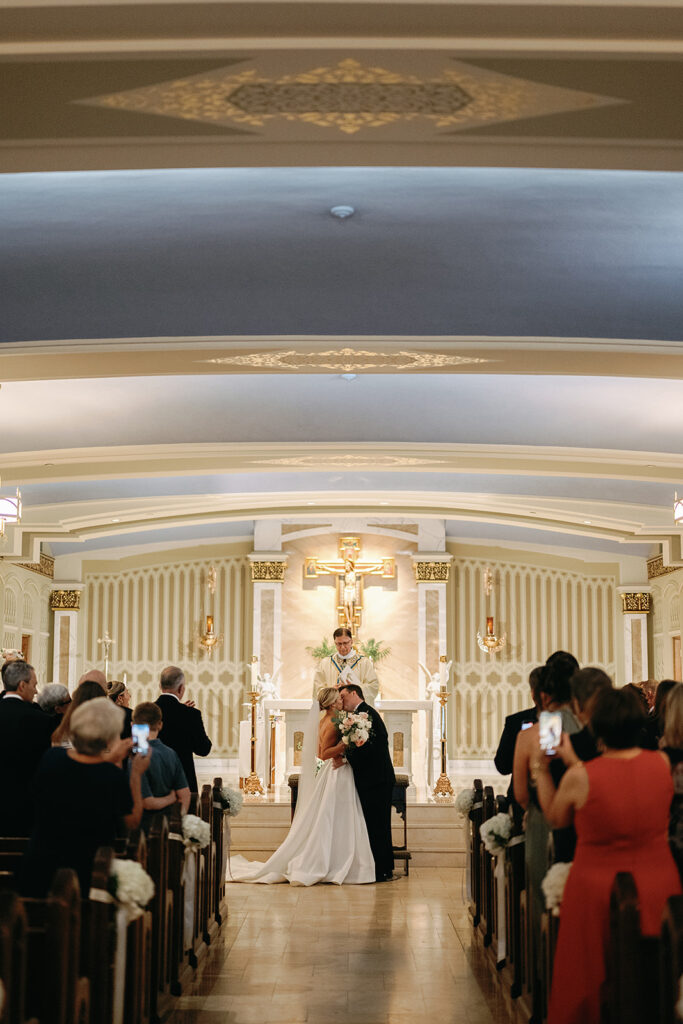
394 953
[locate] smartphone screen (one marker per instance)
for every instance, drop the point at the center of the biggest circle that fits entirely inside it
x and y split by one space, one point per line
550 730
140 735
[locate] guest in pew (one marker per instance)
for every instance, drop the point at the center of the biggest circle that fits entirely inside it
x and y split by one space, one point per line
164 783
514 724
672 745
120 694
83 800
24 737
183 728
53 700
555 695
619 803
89 690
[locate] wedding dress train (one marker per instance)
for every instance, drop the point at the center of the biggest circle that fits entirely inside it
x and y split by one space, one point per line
327 842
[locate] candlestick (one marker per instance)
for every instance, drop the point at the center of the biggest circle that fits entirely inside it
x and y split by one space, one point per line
209 623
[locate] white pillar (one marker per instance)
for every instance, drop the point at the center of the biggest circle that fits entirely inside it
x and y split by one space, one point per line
66 605
635 606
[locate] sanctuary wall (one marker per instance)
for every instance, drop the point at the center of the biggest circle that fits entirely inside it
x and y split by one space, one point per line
667 599
25 614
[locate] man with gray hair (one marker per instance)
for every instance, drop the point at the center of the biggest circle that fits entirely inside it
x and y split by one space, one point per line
54 699
183 728
25 734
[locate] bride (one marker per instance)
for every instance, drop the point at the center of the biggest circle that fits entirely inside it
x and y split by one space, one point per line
328 840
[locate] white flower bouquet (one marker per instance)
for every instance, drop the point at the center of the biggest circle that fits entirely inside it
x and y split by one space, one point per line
553 886
464 801
196 832
232 800
355 729
495 833
131 886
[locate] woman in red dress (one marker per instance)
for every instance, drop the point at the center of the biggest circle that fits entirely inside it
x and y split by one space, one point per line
619 804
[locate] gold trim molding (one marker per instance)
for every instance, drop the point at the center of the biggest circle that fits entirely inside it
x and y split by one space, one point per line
45 567
432 572
347 360
65 600
268 571
633 603
656 567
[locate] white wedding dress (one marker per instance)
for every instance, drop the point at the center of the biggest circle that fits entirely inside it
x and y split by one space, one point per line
327 842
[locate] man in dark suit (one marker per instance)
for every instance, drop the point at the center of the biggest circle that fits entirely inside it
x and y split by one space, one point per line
183 728
374 776
25 734
514 724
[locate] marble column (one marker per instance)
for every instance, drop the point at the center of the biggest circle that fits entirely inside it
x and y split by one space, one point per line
66 605
635 606
268 565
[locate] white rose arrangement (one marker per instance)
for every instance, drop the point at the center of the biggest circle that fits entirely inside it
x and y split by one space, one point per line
495 834
464 801
553 886
355 729
196 832
131 886
232 800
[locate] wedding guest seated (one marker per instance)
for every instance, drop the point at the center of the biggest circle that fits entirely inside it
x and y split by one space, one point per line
83 800
672 745
24 737
120 694
619 803
89 690
164 782
53 700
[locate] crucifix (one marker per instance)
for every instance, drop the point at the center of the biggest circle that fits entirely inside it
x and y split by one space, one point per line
107 644
349 571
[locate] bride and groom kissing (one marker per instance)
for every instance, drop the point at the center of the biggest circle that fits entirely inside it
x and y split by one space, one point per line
341 831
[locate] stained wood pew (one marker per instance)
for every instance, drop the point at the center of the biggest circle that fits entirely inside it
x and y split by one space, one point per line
162 918
671 960
487 865
631 989
515 917
13 958
98 950
212 865
220 841
139 946
474 851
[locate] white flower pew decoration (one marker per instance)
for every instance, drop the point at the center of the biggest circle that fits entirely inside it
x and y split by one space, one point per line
464 801
196 832
131 886
553 886
231 800
495 833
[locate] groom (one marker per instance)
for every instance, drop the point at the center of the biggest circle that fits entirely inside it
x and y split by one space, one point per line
373 774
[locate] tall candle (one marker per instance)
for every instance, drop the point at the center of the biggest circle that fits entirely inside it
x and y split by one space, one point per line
443 677
489 625
209 623
254 673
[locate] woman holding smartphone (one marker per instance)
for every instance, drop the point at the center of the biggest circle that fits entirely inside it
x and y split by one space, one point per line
619 803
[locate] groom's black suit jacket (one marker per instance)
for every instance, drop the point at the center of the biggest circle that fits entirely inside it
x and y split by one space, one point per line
371 763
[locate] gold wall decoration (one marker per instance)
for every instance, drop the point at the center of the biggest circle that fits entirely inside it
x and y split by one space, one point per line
656 567
632 603
271 571
45 567
61 600
397 752
423 94
432 572
347 360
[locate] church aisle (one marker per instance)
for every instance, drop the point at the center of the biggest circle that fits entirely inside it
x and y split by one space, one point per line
378 954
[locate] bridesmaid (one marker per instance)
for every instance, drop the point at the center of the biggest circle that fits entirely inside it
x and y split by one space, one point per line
619 804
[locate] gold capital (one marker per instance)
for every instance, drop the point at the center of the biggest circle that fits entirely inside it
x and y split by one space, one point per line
634 603
65 600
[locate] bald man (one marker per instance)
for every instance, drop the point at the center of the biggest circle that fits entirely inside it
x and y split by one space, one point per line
94 675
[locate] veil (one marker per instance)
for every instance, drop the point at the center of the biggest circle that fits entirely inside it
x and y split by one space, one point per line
308 756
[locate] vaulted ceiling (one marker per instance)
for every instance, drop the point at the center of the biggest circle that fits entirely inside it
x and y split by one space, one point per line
179 308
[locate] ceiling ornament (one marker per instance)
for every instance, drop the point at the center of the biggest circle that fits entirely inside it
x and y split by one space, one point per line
350 96
346 360
330 460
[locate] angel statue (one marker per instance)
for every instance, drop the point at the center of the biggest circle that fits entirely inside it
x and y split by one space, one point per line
269 691
433 684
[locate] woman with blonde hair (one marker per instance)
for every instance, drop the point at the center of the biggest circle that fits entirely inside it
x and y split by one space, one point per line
328 840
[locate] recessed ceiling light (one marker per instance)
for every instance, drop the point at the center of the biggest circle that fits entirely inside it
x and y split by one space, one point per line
587 522
384 502
310 503
342 212
348 377
116 520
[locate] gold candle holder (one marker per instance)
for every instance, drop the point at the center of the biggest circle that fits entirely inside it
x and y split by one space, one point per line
443 790
252 784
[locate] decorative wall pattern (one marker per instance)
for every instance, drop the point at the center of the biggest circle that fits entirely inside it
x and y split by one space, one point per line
154 615
667 593
25 611
541 610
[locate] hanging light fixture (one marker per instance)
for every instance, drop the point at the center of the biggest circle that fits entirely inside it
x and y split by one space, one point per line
489 643
10 511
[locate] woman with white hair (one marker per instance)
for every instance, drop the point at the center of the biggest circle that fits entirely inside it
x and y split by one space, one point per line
83 800
54 699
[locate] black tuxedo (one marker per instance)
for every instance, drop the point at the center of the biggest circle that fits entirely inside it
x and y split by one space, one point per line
374 776
505 754
25 735
183 731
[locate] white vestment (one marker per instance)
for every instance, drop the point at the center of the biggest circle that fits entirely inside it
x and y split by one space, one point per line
329 669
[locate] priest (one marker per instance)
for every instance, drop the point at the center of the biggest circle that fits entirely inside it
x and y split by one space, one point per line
331 671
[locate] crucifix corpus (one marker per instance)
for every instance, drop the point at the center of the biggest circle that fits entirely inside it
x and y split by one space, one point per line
350 571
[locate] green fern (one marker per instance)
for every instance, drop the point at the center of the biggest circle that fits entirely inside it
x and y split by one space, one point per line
374 650
323 650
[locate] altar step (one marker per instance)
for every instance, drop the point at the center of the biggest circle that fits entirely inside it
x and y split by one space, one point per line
436 835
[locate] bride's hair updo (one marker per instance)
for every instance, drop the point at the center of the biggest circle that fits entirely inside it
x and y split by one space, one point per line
327 696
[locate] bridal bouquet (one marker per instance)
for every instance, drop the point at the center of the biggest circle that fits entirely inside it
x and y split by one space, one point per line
355 729
196 832
495 834
553 886
131 886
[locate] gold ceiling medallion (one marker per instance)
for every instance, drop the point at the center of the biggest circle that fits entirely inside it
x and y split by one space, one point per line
347 461
350 96
346 360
